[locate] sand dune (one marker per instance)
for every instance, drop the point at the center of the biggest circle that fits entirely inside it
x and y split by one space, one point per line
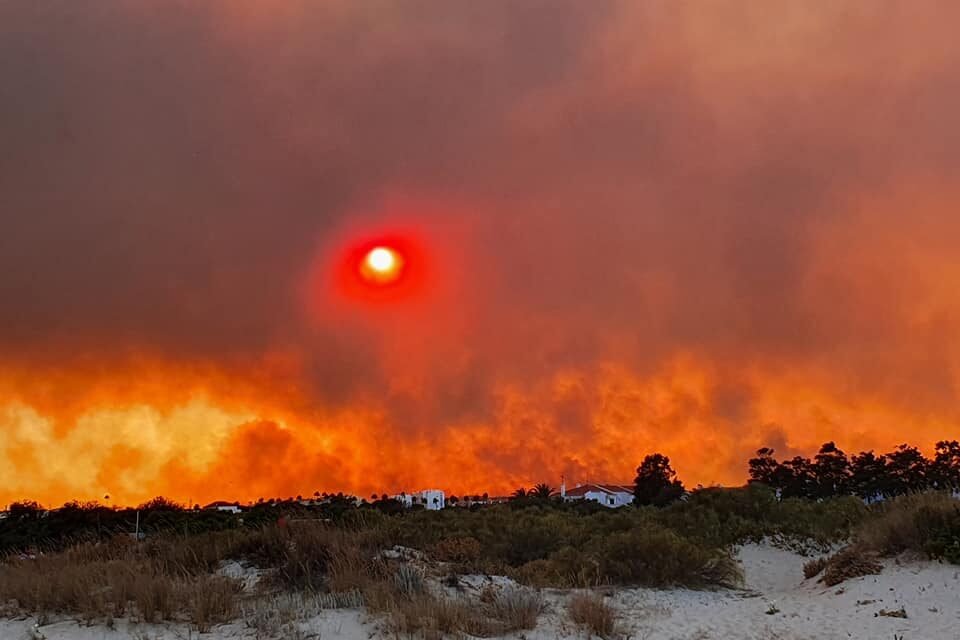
776 603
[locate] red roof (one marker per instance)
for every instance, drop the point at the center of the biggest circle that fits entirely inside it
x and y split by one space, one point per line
221 503
583 489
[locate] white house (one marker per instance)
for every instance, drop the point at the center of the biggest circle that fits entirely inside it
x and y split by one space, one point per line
431 499
609 495
222 505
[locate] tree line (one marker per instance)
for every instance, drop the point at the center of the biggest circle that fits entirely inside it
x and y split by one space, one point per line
867 475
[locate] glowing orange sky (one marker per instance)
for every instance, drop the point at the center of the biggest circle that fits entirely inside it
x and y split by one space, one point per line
694 229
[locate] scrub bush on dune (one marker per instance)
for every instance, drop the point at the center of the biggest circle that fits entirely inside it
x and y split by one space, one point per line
813 568
460 549
591 612
721 517
656 556
852 562
647 555
516 608
926 522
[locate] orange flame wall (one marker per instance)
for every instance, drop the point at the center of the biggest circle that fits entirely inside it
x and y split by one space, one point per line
633 227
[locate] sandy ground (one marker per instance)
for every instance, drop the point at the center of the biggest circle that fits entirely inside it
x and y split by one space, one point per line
776 604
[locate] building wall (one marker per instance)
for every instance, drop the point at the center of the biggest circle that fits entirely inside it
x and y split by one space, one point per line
431 499
611 500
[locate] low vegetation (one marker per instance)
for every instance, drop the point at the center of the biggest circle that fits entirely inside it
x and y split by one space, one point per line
814 567
406 564
927 523
593 613
852 562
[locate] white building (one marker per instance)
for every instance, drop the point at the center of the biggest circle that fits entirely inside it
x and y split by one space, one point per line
609 495
431 499
221 505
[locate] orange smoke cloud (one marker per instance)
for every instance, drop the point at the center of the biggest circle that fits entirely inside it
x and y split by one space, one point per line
207 438
631 228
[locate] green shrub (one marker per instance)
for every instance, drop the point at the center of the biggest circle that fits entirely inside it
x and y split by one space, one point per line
926 522
654 556
722 517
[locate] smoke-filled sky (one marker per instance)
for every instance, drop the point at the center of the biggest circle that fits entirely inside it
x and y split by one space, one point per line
694 228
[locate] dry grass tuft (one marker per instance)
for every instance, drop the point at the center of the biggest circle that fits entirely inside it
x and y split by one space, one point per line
852 562
516 608
591 611
814 567
211 600
413 609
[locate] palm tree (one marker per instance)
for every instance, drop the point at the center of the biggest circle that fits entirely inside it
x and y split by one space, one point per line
542 490
520 493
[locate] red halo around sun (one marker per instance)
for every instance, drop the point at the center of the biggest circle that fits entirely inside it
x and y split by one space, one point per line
382 269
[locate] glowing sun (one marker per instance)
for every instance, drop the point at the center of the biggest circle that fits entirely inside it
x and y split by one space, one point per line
381 265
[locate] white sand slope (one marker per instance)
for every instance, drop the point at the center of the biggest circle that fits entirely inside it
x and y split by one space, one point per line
928 592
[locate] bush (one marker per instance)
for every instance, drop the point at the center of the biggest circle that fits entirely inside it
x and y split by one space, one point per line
408 581
591 612
924 522
517 609
463 550
942 534
852 562
211 600
814 567
655 556
95 583
721 517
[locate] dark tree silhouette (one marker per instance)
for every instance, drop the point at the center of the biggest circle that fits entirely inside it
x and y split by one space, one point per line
867 475
799 481
764 467
831 471
906 471
542 491
25 510
160 504
519 493
656 482
945 469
